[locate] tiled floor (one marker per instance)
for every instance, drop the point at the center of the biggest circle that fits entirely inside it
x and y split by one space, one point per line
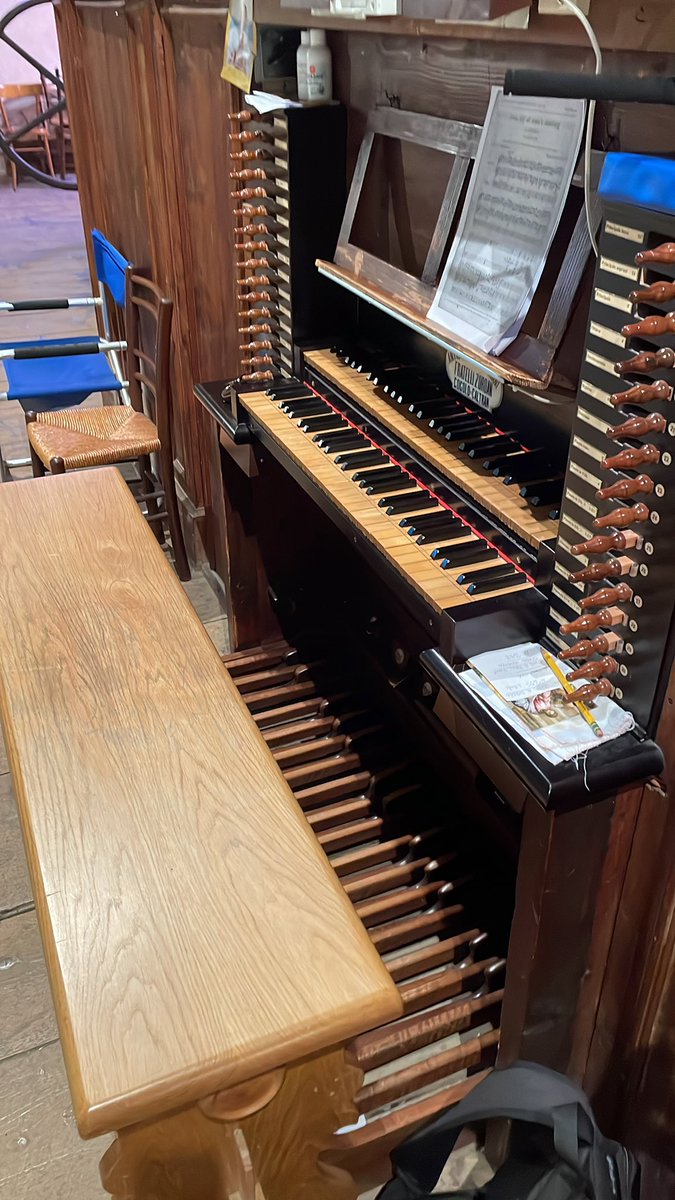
41 1155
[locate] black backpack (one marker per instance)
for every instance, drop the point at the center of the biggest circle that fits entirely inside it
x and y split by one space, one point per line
556 1149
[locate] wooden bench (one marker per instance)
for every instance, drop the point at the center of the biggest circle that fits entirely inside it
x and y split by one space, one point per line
202 956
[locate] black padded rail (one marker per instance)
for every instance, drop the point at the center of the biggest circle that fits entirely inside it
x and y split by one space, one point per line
574 86
37 305
72 348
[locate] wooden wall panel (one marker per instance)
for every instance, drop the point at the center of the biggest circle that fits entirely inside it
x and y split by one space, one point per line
149 114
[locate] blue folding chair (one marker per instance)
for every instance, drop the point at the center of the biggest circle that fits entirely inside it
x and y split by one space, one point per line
55 373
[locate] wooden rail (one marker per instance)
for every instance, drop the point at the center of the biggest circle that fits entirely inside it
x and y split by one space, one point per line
196 938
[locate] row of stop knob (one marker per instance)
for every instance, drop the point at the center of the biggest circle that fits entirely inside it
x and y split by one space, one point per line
600 611
256 211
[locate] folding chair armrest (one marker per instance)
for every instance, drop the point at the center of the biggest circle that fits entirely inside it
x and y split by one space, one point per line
68 351
42 305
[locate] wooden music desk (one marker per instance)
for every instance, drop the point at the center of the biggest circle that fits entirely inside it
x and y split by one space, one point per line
196 936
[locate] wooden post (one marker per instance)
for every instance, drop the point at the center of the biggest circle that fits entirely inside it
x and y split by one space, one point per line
261 1140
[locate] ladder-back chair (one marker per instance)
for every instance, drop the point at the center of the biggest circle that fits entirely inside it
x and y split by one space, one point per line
35 141
73 439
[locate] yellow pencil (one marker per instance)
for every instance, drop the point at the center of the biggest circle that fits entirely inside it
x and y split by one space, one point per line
568 687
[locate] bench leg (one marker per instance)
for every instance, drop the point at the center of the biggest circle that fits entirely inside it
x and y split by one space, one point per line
263 1144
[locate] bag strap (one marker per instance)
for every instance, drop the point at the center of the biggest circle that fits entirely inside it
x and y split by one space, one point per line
522 1092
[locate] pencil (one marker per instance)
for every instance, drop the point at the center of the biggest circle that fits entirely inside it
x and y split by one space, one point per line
568 687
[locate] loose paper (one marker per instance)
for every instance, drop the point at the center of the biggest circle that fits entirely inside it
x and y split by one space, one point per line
526 158
521 688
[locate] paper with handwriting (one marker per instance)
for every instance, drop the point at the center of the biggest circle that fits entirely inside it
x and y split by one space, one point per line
524 166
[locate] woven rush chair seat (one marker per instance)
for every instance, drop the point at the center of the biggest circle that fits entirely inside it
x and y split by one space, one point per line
92 437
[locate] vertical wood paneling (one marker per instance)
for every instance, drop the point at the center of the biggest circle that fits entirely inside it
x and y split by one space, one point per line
150 116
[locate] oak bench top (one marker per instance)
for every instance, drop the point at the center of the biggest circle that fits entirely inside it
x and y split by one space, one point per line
195 933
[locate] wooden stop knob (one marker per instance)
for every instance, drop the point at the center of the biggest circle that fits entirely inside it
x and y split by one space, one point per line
638 426
659 292
595 670
608 595
646 362
660 254
643 393
590 691
631 457
587 647
622 518
625 488
651 326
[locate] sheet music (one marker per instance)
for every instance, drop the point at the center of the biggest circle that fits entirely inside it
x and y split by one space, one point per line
525 162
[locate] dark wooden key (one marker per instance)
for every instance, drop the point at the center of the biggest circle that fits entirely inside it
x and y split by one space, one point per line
269 677
466 554
317 424
258 659
398 904
451 981
370 856
398 1084
336 789
481 587
446 950
408 502
485 573
383 1045
325 768
413 929
385 878
365 458
309 751
299 731
387 485
256 701
282 715
333 815
351 835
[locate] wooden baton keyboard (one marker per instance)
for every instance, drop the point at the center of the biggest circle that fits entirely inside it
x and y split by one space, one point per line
439 552
534 525
412 867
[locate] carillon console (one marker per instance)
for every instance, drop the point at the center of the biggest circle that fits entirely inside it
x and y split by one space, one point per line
612 596
277 163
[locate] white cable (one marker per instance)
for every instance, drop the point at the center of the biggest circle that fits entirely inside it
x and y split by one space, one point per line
590 118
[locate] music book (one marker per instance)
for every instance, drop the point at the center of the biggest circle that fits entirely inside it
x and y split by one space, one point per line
523 170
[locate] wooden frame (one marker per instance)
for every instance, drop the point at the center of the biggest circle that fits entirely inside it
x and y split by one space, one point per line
450 137
528 362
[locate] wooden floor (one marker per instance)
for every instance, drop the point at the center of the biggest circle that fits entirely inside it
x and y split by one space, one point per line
41 1155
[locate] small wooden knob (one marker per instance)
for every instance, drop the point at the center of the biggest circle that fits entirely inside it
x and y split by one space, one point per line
623 518
608 595
644 393
595 670
646 362
590 691
244 115
650 326
258 376
603 543
586 648
638 426
631 457
660 254
584 624
659 293
625 488
594 572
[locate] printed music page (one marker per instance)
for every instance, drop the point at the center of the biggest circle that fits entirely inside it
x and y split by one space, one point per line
523 170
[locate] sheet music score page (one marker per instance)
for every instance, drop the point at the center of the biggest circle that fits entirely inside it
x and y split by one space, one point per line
523 170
